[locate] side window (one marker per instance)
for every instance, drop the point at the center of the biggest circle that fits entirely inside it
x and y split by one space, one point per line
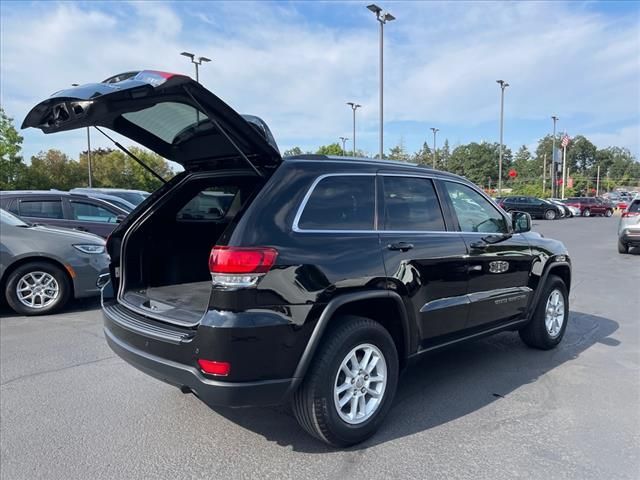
88 212
474 212
210 204
411 204
340 203
41 208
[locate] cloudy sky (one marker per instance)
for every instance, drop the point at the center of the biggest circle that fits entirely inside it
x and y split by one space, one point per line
295 64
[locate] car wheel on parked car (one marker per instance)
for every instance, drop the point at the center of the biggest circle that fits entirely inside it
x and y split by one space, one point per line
608 213
549 321
623 247
37 288
586 212
550 215
351 384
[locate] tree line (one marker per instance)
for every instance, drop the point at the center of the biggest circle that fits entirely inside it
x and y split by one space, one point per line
476 161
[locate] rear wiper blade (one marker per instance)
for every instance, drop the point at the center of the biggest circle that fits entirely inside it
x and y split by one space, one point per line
140 162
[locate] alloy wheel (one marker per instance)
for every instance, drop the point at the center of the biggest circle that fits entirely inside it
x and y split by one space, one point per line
554 313
37 290
360 384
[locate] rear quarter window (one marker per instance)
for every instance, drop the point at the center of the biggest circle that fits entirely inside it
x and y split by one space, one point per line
345 202
41 208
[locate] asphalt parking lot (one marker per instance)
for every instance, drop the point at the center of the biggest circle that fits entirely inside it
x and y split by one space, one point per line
70 409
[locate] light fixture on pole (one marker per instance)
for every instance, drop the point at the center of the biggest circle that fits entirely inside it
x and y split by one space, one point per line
196 61
503 85
344 141
354 107
88 148
554 168
434 130
382 17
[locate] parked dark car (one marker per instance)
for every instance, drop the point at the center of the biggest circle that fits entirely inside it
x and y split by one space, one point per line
134 197
590 206
63 209
319 280
536 207
41 268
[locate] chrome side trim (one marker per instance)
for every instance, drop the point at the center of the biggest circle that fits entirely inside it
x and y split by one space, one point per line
473 298
445 303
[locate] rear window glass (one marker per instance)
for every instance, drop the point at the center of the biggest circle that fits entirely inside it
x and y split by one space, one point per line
166 120
411 204
213 203
88 212
41 208
340 203
635 206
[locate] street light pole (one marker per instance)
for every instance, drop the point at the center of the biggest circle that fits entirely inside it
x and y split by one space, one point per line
382 17
503 85
434 130
88 147
354 107
344 141
196 61
554 173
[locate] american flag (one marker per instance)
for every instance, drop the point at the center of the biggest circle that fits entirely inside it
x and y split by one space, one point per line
565 141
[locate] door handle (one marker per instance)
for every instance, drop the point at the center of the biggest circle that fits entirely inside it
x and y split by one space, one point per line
81 229
402 246
479 245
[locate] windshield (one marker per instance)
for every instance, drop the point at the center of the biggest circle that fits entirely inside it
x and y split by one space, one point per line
169 121
7 218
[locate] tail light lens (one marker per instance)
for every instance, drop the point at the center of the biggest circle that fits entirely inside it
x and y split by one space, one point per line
630 214
213 367
239 267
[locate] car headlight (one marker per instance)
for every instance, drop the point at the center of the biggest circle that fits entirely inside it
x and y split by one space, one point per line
92 249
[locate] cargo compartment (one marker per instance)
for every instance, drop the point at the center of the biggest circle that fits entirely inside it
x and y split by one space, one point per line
164 269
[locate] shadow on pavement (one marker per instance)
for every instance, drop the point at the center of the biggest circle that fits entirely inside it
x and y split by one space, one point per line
78 305
448 385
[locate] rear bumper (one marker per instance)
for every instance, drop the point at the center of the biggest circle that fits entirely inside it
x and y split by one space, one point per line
188 378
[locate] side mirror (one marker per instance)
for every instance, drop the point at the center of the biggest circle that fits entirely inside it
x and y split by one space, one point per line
120 218
521 222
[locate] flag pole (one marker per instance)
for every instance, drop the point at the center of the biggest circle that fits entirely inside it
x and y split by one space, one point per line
564 168
544 174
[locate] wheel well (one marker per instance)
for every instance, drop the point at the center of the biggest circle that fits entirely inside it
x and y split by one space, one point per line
564 273
387 313
11 268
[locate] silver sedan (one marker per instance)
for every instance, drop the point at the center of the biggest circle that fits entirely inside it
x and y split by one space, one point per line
41 268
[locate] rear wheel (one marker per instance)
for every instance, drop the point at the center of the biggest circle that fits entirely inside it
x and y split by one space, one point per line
37 288
350 386
608 213
550 214
586 212
622 247
549 321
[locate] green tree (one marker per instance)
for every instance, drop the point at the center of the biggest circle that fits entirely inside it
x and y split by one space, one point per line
443 155
423 156
399 153
479 162
11 164
292 152
331 149
53 169
581 155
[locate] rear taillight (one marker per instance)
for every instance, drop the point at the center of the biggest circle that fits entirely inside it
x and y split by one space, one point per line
630 214
238 267
213 367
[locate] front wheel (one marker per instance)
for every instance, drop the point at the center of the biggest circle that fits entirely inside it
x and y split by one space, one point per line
623 247
549 321
608 213
37 288
550 215
350 386
586 212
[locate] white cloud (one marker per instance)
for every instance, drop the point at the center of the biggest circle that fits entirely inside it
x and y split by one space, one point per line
442 60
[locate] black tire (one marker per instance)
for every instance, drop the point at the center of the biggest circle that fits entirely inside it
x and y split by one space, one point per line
623 247
586 212
550 214
608 213
535 333
60 276
313 403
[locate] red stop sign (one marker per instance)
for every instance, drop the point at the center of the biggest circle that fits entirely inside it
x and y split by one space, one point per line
513 173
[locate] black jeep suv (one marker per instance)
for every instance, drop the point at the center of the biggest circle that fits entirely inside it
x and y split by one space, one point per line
249 279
